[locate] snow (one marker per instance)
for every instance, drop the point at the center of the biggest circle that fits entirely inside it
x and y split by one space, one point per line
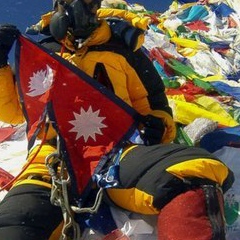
13 151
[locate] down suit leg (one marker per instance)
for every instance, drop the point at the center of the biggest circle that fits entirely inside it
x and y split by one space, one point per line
184 185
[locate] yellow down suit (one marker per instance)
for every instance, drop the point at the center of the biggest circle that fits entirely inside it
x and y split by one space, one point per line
131 77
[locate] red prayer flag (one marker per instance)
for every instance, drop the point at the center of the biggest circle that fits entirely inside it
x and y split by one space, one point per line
35 75
6 133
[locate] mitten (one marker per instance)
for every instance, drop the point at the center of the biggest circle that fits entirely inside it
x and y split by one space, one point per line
123 30
153 130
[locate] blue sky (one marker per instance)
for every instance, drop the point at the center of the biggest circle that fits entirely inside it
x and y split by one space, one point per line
24 13
157 5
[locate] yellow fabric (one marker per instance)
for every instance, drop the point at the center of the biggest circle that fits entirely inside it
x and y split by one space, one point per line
202 168
133 18
161 24
172 34
10 109
140 41
185 113
44 22
51 133
170 130
136 20
174 6
179 97
32 181
213 106
133 200
214 78
127 84
45 19
101 35
186 52
37 167
187 43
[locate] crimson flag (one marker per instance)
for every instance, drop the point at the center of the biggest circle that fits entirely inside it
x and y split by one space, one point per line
90 120
35 75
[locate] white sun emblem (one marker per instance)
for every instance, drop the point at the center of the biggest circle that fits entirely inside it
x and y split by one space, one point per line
40 82
87 124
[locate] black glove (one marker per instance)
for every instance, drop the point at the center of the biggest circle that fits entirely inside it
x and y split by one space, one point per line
8 34
123 30
153 130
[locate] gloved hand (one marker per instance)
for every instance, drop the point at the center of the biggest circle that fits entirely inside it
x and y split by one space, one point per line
153 130
125 31
8 34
